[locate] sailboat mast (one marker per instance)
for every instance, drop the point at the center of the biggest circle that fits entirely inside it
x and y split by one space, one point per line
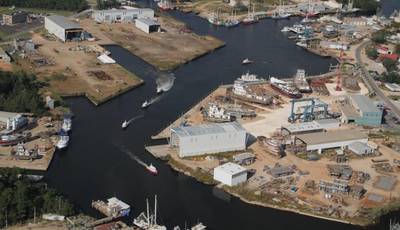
148 214
155 209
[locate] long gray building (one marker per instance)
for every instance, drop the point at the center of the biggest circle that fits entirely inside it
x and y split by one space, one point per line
62 28
122 15
208 138
359 109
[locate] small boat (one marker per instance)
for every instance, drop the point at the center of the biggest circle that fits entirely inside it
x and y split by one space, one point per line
153 170
246 61
251 18
285 29
124 124
145 104
63 142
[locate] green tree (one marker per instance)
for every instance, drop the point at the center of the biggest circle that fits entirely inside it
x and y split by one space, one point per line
372 53
70 5
391 77
390 65
379 37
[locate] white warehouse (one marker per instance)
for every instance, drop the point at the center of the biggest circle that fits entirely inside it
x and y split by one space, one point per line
230 174
328 140
62 28
208 138
147 25
121 15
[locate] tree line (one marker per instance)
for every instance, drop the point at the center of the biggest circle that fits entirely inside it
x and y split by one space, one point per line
22 199
19 92
69 5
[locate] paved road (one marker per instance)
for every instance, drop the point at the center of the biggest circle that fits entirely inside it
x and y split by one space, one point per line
370 82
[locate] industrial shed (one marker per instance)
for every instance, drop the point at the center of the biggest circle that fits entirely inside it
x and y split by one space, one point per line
121 15
230 174
361 148
328 140
147 25
208 139
359 109
62 28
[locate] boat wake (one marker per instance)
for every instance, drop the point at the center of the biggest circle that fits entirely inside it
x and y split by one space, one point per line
165 82
132 156
153 100
135 118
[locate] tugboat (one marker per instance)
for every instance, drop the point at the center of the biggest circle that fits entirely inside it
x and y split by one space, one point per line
153 170
285 88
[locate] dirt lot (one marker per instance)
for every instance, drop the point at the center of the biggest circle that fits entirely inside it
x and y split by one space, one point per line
164 50
71 72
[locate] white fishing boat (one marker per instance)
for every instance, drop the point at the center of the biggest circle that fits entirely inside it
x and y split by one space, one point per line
148 221
285 29
67 124
152 169
63 142
250 18
280 13
124 124
246 61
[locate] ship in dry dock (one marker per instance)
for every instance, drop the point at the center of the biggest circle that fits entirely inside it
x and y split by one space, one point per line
300 81
286 88
244 89
216 113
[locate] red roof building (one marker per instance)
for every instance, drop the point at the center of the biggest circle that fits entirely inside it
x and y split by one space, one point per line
393 57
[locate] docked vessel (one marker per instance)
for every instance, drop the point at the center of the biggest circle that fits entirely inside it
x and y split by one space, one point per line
248 77
147 221
67 124
285 29
232 21
215 19
216 113
251 18
242 91
280 13
63 141
286 88
165 5
300 81
153 170
7 140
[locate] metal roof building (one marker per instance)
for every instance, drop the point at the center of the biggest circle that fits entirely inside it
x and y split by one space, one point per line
62 27
147 25
361 148
208 138
300 128
121 15
230 174
328 140
360 110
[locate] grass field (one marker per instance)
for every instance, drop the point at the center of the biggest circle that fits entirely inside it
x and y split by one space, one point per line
5 10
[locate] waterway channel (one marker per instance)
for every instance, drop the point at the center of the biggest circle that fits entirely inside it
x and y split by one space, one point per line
99 163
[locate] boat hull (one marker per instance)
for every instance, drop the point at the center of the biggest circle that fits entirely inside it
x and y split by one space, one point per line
284 92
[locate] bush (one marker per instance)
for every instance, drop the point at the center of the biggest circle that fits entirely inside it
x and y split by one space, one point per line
391 77
390 65
379 37
71 5
372 53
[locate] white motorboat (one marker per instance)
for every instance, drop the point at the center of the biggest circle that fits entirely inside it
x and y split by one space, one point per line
125 124
63 142
67 124
285 29
153 170
246 61
145 104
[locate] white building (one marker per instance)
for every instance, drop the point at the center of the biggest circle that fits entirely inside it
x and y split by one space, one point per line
62 28
208 139
12 121
329 140
361 148
333 45
147 25
393 87
230 174
122 15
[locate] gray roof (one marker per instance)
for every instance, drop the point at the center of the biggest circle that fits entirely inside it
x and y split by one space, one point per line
327 121
364 103
243 156
148 21
113 11
63 22
331 137
385 183
231 168
206 129
359 147
302 127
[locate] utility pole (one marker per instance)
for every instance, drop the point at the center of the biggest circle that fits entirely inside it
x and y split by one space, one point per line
34 214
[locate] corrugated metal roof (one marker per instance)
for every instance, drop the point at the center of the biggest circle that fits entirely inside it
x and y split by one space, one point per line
148 21
331 137
364 103
63 22
359 147
303 127
121 11
231 168
206 129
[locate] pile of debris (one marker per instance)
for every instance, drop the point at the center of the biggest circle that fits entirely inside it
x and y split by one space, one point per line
343 172
100 75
